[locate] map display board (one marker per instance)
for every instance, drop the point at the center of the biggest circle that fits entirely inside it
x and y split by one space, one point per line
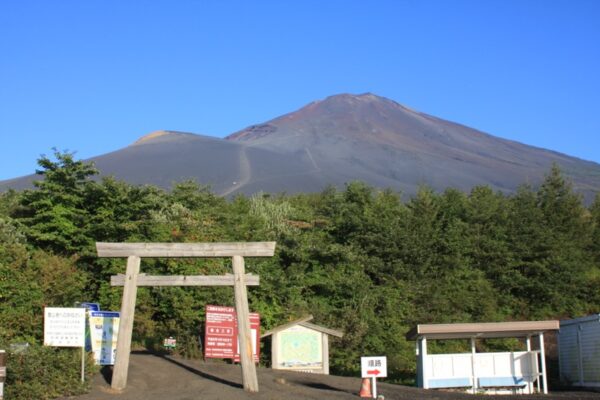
104 330
64 327
221 333
300 348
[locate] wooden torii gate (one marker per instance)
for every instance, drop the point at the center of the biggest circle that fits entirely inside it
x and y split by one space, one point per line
132 279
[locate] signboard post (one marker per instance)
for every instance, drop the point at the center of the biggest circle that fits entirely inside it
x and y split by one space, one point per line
373 367
65 327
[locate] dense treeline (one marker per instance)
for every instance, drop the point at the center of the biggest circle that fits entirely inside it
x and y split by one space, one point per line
361 260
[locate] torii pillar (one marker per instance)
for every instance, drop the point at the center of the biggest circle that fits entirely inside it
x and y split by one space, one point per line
135 251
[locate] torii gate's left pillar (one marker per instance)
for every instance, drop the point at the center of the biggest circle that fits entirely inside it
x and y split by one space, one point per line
121 368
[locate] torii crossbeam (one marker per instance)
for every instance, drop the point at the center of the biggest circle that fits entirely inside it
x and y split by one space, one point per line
132 279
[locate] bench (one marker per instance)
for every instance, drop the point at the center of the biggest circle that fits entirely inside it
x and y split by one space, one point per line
446 383
502 382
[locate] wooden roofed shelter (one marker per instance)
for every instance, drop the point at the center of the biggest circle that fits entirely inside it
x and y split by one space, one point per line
500 372
301 346
132 279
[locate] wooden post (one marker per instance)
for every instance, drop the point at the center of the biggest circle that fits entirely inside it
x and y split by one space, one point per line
579 356
532 360
424 362
473 365
82 364
249 377
275 350
325 347
119 378
543 362
2 372
184 280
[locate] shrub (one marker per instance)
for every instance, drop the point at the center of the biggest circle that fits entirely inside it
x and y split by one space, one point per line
40 372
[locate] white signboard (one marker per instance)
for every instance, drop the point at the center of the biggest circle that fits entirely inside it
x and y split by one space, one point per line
373 367
64 327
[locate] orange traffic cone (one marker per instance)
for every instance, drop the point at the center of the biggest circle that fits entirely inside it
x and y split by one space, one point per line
365 388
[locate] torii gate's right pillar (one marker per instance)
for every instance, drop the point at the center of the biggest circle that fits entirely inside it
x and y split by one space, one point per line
249 377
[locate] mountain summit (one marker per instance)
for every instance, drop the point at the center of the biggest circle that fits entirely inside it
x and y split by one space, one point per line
337 140
382 142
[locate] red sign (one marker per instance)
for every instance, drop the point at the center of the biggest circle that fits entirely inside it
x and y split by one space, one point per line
255 337
221 333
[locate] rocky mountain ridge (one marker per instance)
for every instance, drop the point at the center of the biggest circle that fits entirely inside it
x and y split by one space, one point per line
337 140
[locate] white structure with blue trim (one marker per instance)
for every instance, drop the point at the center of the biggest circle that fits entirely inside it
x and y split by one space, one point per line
497 372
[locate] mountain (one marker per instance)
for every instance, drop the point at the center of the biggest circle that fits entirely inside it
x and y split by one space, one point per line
382 142
337 140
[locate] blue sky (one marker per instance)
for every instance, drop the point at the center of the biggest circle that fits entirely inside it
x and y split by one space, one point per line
92 76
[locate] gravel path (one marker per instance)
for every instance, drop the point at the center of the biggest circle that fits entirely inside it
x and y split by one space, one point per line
153 377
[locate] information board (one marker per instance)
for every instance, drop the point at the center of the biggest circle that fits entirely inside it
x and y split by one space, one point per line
64 327
299 348
104 330
221 333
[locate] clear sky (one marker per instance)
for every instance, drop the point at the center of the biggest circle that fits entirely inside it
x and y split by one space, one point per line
92 76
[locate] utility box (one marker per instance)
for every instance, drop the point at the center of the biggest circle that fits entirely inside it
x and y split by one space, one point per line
579 351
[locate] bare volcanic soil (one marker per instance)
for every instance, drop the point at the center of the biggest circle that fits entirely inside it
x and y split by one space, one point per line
153 377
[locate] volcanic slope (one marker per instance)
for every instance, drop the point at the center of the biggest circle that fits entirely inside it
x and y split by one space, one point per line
337 140
374 139
165 157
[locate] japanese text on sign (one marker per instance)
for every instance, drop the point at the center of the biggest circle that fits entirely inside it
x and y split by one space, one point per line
373 367
104 330
221 333
64 327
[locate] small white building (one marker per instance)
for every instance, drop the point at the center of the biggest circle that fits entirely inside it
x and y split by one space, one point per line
494 372
579 351
301 346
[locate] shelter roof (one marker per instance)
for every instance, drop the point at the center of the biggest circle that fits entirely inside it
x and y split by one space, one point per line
303 322
481 330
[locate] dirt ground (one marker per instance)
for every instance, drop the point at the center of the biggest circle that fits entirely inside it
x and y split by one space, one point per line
153 377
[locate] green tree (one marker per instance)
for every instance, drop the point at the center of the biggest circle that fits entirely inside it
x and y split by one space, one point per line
28 282
548 237
487 218
53 215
